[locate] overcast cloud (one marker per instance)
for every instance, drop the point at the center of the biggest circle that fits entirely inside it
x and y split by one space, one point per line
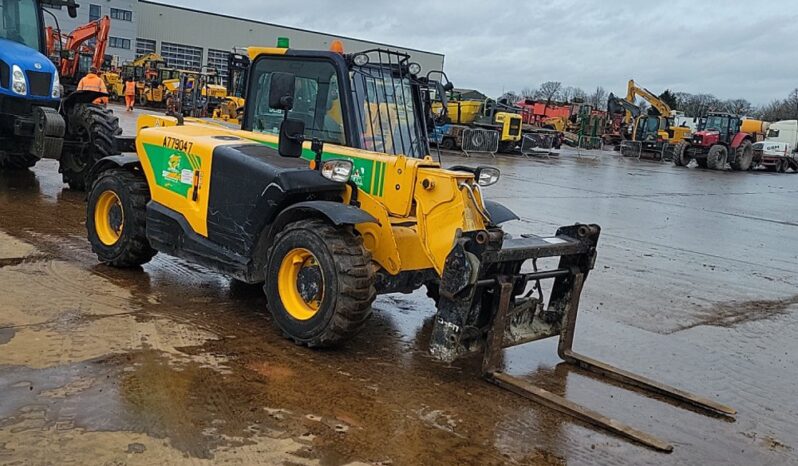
732 49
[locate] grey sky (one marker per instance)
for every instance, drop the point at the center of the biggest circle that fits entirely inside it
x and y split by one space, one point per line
732 49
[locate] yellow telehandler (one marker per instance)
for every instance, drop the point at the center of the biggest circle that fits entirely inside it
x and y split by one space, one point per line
327 196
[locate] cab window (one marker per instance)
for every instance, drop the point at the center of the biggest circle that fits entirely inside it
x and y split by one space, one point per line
316 98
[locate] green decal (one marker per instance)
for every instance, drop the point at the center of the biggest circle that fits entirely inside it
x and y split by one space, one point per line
363 172
173 169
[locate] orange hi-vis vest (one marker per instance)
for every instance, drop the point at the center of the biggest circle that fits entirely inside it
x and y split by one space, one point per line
92 82
130 88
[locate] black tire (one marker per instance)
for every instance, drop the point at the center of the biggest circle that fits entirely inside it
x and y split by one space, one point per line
743 156
18 161
680 157
132 248
782 166
341 264
447 144
142 100
96 126
716 157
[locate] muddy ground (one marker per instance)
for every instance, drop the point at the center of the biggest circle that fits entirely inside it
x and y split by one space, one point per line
696 285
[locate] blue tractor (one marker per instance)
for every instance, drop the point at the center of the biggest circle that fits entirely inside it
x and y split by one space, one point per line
35 121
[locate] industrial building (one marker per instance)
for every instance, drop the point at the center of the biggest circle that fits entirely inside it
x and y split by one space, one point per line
183 35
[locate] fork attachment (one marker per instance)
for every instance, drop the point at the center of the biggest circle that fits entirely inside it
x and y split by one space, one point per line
510 316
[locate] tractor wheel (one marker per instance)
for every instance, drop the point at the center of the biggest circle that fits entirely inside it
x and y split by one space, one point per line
782 166
716 158
142 100
680 156
447 144
116 218
319 283
95 127
743 157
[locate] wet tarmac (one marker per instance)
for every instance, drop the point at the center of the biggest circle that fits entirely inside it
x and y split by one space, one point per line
696 285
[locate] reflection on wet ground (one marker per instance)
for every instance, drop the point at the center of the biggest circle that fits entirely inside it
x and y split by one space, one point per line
169 364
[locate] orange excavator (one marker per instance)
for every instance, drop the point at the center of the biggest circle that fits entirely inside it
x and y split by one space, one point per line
72 53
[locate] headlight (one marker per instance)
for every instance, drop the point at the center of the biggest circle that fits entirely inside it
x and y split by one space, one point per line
361 59
337 170
487 176
18 83
56 92
414 68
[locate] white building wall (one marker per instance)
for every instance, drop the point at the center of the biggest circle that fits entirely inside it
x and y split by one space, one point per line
175 25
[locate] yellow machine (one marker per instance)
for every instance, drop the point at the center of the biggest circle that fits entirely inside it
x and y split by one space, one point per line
488 115
327 206
114 83
655 133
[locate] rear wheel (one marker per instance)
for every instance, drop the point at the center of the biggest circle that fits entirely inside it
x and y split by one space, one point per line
743 156
319 283
447 144
96 128
116 218
716 158
680 157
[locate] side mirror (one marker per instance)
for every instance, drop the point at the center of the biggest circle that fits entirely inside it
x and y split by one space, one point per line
281 91
291 137
72 8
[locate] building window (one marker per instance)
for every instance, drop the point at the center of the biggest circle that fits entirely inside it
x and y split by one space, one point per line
119 43
181 56
217 60
94 12
122 15
144 46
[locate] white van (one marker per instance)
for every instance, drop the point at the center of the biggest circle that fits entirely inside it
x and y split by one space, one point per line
779 150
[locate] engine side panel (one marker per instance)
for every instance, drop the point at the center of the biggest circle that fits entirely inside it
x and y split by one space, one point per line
250 184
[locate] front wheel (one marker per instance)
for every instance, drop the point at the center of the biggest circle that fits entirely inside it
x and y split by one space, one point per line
319 283
94 130
680 156
116 218
716 158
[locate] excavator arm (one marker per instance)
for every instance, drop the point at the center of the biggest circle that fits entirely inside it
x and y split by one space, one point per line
98 30
633 90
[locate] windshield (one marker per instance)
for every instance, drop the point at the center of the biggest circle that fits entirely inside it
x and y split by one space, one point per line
717 123
20 22
647 127
386 110
316 99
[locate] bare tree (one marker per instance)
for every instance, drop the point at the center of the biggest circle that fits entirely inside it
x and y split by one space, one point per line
599 98
528 93
510 96
549 91
738 107
570 93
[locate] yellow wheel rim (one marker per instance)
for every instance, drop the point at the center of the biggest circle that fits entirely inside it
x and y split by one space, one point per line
301 284
109 218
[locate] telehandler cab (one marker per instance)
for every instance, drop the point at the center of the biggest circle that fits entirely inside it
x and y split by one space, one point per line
327 196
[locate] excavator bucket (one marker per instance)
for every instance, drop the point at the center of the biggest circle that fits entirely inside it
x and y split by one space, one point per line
484 305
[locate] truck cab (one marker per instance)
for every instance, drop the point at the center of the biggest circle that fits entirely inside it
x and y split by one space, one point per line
779 149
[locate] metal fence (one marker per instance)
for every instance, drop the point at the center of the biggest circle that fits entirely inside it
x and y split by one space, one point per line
589 143
480 140
631 149
537 144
